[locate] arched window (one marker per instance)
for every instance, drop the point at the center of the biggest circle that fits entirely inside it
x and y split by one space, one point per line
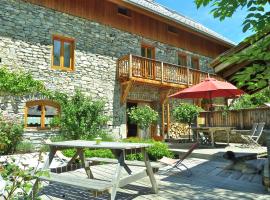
38 114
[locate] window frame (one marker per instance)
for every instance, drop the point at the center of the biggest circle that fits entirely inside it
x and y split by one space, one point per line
128 13
152 48
41 103
63 39
182 55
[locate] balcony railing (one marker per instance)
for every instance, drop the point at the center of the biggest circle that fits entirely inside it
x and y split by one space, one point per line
131 66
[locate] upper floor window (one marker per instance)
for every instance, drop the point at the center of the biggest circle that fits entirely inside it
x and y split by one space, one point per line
38 114
123 11
63 53
172 29
195 64
182 59
148 51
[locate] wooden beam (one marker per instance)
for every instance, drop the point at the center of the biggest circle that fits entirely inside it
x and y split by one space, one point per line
163 119
125 88
158 83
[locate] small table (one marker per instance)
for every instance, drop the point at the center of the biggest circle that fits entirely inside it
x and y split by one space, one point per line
118 149
212 130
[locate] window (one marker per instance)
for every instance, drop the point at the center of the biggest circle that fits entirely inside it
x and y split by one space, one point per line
123 11
195 63
172 29
182 59
148 51
38 114
63 53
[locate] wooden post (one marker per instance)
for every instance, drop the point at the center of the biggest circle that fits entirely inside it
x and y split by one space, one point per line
168 118
130 66
162 72
163 119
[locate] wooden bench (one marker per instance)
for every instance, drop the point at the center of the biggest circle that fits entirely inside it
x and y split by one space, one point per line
95 160
96 186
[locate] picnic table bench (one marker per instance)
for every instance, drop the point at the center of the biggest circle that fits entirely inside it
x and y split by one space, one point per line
119 149
88 184
96 160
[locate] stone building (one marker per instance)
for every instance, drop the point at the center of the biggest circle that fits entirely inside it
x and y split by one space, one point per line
126 52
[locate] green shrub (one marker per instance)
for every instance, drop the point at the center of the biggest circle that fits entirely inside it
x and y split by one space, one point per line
102 153
89 153
10 134
25 147
81 117
155 152
158 150
143 116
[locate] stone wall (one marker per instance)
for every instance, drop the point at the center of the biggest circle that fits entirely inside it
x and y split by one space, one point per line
26 32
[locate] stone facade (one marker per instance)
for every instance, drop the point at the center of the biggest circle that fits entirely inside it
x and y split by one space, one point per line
26 32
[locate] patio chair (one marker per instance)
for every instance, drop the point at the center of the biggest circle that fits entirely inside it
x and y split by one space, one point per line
177 163
255 134
204 139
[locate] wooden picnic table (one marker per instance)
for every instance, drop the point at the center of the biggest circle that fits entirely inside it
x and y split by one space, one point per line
119 149
212 131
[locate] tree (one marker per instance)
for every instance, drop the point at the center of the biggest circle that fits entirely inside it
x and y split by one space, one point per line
80 116
256 75
143 116
186 113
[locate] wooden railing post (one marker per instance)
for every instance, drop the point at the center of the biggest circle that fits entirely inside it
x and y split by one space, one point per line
130 66
162 72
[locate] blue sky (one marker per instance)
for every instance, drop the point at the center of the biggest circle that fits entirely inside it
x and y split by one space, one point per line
231 28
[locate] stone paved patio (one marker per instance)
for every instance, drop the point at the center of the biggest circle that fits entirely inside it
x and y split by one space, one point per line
209 181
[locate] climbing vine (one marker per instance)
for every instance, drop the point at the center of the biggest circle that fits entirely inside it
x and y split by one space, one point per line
18 83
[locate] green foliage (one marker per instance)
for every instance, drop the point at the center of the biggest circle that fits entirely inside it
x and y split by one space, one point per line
186 113
155 152
158 150
257 18
256 75
251 101
10 134
81 117
143 116
25 147
19 180
18 83
101 153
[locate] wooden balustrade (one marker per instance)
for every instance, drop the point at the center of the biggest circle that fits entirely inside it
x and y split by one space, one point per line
132 66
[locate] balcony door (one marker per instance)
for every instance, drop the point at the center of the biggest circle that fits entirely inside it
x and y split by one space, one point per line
148 65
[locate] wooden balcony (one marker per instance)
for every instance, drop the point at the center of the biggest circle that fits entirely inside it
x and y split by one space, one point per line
148 71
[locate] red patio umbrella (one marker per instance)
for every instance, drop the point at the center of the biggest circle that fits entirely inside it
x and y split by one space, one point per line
208 89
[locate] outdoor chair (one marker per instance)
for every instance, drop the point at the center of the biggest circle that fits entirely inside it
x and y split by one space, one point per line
255 134
177 163
204 139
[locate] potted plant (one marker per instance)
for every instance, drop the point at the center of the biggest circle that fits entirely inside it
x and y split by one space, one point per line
143 116
186 113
